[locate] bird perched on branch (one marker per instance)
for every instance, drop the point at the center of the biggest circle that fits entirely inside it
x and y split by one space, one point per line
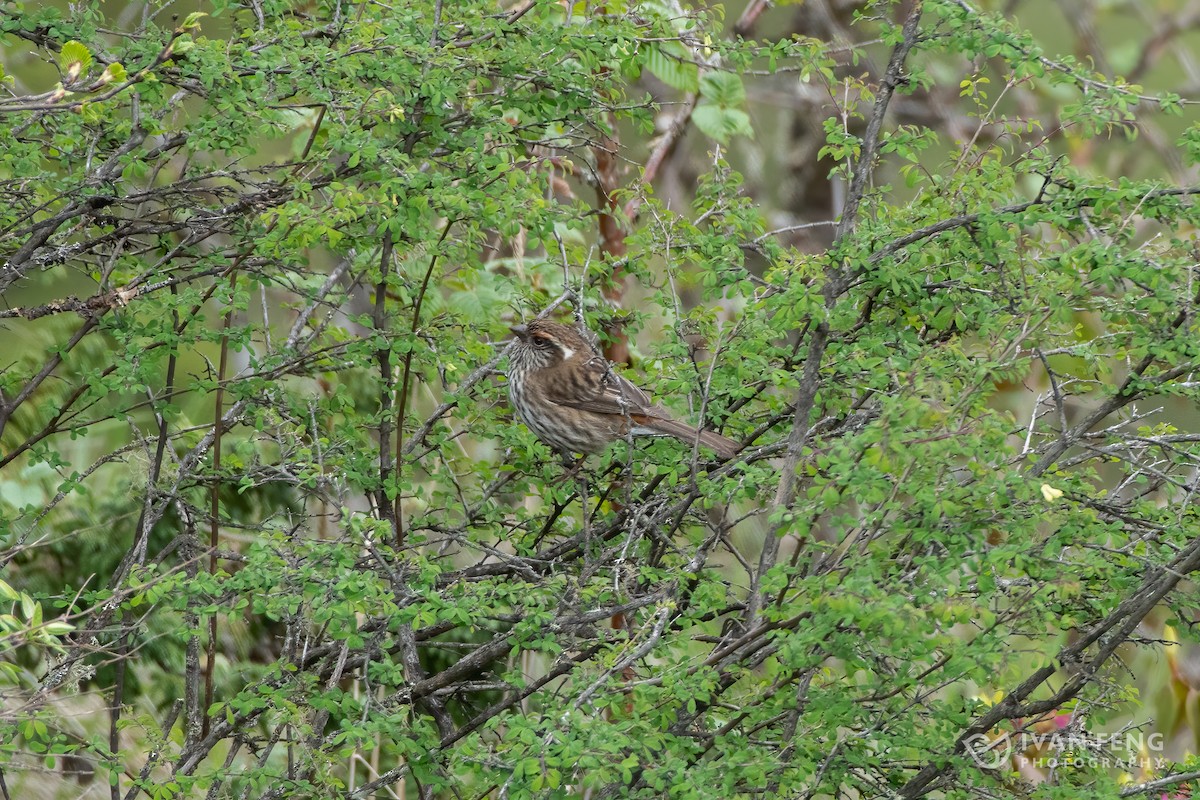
568 395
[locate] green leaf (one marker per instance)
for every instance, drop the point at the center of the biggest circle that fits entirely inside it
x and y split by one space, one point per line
722 123
192 20
664 60
74 58
723 88
114 72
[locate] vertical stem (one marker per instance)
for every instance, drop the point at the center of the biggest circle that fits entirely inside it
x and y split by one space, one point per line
383 356
114 714
837 277
140 546
215 498
192 714
613 246
406 377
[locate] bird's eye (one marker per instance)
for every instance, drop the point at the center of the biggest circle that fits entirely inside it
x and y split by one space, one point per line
541 341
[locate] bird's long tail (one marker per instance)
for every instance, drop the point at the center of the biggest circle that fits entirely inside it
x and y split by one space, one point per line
723 446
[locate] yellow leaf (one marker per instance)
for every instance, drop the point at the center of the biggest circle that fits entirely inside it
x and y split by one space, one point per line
1050 493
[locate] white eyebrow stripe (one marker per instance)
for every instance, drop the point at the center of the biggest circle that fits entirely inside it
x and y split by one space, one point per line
566 352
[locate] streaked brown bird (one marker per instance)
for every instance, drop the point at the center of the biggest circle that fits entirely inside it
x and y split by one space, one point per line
569 396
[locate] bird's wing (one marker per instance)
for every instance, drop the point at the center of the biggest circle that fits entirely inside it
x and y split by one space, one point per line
603 391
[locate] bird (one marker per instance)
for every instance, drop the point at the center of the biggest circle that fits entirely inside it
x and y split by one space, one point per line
567 393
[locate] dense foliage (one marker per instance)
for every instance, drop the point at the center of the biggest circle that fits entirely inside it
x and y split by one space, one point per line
268 528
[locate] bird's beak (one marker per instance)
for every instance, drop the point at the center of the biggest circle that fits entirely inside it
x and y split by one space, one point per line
520 330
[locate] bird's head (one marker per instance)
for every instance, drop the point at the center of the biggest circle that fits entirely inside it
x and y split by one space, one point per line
543 344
